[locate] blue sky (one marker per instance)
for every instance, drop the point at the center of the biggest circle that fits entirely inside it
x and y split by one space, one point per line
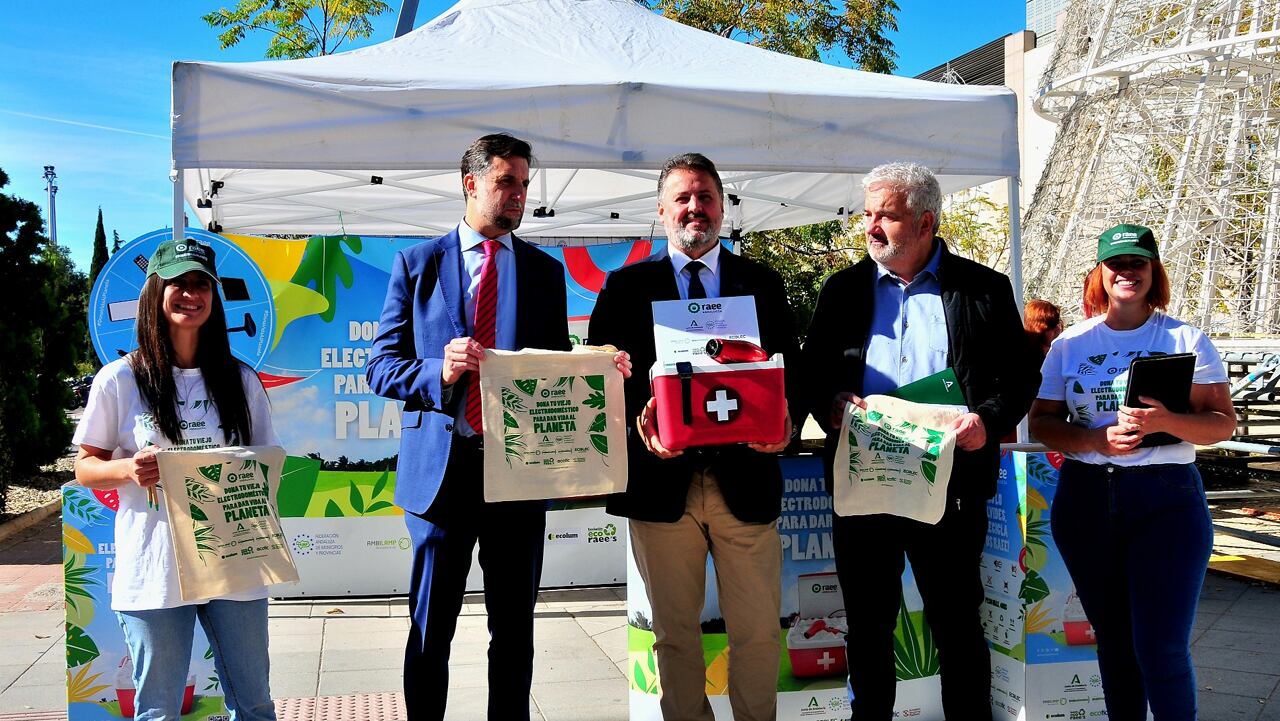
86 89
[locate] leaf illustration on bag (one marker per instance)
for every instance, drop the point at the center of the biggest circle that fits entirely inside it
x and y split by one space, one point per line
212 471
197 513
595 400
511 401
514 446
930 471
526 385
595 383
509 420
601 443
597 424
206 541
198 491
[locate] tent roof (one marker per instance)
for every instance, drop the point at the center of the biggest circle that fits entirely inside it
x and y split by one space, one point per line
369 141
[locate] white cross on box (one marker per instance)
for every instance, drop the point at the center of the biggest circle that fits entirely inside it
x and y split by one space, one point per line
722 405
826 662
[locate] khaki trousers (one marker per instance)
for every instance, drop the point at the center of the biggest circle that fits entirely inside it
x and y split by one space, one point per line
672 559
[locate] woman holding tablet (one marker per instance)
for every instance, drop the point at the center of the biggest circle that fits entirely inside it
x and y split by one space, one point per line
1130 520
181 388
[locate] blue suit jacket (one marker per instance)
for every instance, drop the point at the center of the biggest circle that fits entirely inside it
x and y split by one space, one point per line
422 313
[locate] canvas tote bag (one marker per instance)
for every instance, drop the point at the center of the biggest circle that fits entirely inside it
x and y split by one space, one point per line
223 519
894 457
553 424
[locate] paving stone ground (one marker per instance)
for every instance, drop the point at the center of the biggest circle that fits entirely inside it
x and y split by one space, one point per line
340 659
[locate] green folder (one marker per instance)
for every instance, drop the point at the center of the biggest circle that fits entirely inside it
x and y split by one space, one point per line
941 388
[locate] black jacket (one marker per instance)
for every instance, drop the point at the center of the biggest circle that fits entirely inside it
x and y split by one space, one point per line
993 361
656 489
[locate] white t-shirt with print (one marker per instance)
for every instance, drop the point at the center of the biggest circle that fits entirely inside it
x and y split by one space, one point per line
116 417
1088 369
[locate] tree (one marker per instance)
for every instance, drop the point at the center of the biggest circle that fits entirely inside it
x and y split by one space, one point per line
976 227
99 250
36 324
115 241
803 28
805 256
810 29
298 28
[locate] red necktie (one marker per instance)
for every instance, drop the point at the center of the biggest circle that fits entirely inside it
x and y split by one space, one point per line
485 331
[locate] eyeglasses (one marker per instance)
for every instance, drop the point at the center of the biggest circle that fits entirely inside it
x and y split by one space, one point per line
1126 262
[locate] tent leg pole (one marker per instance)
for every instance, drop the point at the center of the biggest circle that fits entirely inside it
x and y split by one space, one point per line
1015 240
179 221
1015 267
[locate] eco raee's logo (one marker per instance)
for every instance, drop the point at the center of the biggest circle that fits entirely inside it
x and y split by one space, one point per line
606 534
699 307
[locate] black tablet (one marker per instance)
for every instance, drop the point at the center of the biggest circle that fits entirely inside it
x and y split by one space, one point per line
1166 378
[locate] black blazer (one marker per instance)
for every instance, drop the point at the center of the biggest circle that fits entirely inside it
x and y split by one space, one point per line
656 489
996 365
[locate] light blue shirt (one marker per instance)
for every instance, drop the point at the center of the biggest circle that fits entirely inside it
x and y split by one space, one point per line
908 329
505 333
710 273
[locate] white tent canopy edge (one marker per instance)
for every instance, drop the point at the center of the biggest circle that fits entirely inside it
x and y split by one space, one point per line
368 141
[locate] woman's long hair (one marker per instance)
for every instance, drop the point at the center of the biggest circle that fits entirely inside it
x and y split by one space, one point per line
152 365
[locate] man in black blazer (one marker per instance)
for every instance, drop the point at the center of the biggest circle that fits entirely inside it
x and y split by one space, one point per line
721 500
910 309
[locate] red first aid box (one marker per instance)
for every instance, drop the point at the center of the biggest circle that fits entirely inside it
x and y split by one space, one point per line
715 405
815 641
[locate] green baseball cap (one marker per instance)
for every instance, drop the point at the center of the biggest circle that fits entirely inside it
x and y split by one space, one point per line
175 257
1127 239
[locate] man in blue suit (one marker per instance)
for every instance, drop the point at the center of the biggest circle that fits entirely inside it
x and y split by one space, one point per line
427 353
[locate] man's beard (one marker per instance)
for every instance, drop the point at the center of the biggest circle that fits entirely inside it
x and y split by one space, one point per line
888 252
689 241
506 222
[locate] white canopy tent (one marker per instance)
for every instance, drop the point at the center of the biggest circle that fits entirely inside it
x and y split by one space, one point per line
368 142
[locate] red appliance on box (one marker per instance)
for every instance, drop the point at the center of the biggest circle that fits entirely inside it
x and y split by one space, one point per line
815 641
714 405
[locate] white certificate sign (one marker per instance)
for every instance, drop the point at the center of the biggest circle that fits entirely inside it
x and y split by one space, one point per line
681 328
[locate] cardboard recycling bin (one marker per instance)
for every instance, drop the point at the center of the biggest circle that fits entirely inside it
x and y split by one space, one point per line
714 405
815 641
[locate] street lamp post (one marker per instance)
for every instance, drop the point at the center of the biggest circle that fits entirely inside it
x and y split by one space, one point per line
51 179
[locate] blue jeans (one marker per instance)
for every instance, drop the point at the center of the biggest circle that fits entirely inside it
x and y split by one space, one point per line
1136 542
160 641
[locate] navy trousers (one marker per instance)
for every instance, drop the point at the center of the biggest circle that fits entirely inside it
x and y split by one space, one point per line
870 557
511 541
1136 542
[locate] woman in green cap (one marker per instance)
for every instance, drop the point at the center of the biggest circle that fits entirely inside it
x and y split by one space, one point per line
181 388
1130 518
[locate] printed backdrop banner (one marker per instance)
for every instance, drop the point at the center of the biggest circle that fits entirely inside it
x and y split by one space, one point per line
812 671
304 313
1043 661
99 670
1044 655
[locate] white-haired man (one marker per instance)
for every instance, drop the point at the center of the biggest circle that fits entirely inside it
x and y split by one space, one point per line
909 310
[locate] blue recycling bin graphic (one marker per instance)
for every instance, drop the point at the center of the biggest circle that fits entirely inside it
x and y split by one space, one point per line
246 297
